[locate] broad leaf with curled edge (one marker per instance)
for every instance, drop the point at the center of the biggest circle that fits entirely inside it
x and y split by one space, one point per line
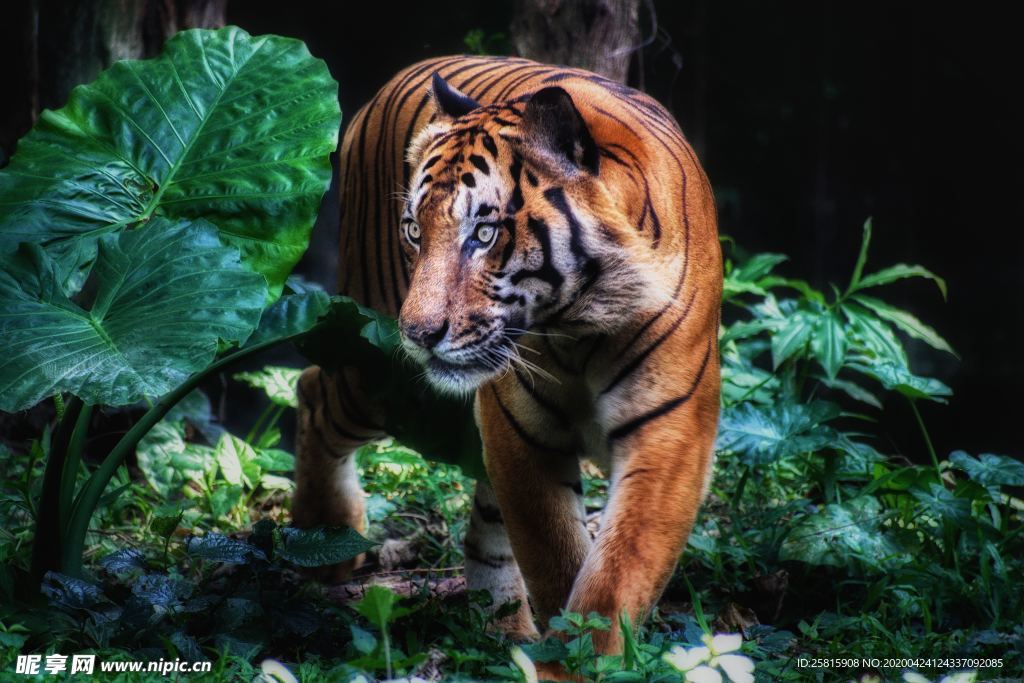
222 125
440 427
165 295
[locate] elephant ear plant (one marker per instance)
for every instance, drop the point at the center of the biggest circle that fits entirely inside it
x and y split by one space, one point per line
146 232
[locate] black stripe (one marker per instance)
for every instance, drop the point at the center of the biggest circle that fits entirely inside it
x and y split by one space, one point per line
636 423
529 439
541 401
488 513
351 406
480 163
494 561
547 271
562 365
631 367
327 413
499 96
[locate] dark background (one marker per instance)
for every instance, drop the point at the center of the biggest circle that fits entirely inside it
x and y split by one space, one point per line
809 118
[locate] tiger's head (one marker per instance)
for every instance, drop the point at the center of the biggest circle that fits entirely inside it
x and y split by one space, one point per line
508 227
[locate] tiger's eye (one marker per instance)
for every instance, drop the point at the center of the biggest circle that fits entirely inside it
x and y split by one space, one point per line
485 233
414 231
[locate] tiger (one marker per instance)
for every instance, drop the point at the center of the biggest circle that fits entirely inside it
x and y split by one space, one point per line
547 240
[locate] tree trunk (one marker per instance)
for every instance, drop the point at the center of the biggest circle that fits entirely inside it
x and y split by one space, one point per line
597 35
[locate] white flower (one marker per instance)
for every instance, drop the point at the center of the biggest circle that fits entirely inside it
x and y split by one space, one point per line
725 642
274 671
960 677
684 659
703 674
525 664
738 668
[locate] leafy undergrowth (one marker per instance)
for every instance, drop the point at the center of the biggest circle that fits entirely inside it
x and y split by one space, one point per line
814 544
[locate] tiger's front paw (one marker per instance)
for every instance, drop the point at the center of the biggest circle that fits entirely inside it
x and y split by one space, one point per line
310 510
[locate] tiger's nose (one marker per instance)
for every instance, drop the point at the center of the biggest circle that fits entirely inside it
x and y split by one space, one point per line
424 334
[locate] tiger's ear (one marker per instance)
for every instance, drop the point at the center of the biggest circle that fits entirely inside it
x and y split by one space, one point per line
552 121
449 101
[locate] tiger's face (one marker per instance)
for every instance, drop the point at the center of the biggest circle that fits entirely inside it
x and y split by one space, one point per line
507 227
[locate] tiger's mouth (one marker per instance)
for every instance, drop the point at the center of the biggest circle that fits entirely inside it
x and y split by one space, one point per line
458 377
458 371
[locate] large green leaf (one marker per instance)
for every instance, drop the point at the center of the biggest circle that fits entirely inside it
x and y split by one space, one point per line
839 534
165 295
989 469
290 315
760 434
222 125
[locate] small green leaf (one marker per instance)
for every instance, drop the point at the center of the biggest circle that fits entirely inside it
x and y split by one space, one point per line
862 257
943 504
829 343
224 498
791 338
989 469
897 377
378 605
905 321
899 272
278 383
124 561
872 335
217 548
237 461
547 650
168 462
275 460
321 546
851 389
362 640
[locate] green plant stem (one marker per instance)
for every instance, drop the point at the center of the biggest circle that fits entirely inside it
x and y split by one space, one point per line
49 523
251 436
89 497
927 438
69 476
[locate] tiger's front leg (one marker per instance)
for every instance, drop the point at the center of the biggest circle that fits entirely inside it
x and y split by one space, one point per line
660 434
333 422
536 478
